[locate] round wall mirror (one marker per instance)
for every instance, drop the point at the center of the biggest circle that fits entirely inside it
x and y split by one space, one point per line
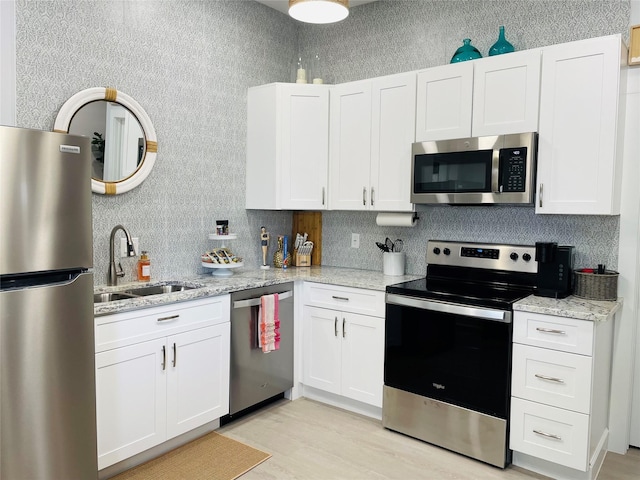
123 140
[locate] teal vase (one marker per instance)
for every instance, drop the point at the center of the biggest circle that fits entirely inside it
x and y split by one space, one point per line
466 52
501 46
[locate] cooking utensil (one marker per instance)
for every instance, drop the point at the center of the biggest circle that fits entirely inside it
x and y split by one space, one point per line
398 245
382 247
389 244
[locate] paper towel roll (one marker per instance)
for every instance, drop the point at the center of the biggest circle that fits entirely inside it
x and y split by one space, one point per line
407 219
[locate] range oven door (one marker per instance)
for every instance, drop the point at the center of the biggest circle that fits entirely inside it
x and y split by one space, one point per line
449 352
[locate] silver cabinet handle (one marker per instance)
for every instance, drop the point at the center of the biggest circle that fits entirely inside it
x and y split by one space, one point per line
175 355
322 195
551 379
364 196
344 330
540 195
548 435
166 319
164 358
551 330
335 326
339 298
372 196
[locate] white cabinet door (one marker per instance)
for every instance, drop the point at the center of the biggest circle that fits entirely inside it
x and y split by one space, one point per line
362 358
198 379
287 147
304 141
444 96
578 158
393 130
350 146
130 400
506 94
322 349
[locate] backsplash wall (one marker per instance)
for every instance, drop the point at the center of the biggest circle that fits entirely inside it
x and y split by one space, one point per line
387 37
189 64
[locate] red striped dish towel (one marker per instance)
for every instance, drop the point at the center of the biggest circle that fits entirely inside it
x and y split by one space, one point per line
269 323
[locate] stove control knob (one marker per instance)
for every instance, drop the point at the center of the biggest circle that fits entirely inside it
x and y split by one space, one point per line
513 256
436 251
446 251
526 257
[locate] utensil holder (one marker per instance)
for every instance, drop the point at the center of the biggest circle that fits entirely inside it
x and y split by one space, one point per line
303 260
597 286
393 263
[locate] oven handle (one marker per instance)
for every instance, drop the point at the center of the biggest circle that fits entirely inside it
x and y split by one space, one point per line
456 309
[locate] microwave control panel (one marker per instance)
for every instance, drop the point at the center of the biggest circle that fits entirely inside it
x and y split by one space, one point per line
513 169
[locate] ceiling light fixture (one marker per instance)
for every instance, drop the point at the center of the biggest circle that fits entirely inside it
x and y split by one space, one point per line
319 11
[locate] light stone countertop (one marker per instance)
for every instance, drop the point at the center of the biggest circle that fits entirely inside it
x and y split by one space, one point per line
572 307
209 285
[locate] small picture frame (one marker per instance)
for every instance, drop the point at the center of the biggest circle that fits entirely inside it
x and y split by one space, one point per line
634 45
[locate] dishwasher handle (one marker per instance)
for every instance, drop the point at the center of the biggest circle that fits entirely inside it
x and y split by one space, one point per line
255 302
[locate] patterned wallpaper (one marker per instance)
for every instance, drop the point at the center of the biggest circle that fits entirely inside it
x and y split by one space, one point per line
189 64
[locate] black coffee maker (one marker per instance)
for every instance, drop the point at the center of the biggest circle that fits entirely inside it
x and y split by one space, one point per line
555 270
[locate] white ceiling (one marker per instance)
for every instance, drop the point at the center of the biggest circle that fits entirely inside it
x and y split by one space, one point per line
283 5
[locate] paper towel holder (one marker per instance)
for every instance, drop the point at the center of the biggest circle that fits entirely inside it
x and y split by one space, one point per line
396 219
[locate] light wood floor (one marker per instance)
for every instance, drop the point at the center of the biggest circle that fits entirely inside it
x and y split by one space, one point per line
309 440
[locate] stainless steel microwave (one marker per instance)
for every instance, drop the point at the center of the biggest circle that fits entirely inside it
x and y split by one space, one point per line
475 171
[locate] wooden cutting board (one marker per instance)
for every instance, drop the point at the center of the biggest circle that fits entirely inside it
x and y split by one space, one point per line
311 223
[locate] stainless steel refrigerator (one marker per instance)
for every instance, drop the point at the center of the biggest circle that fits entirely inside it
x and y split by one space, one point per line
47 374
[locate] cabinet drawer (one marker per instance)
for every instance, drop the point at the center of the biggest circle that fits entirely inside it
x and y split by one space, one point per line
346 299
114 331
558 333
553 434
555 378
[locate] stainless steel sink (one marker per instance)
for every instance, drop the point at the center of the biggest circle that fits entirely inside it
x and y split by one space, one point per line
157 290
111 297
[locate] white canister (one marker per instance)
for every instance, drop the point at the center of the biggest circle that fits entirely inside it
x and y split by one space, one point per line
393 263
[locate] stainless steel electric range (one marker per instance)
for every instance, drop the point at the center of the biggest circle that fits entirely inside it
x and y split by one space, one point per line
448 337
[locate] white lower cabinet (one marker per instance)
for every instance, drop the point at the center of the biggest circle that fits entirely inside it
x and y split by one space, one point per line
560 394
344 349
150 391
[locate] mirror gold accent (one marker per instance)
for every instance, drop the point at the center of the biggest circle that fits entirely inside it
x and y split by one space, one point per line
124 143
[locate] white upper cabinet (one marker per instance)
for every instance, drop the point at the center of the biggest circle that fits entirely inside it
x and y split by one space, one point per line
489 96
444 102
287 147
506 94
372 128
350 141
579 151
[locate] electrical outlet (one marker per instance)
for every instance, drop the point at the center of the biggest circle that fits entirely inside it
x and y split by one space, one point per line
355 240
123 246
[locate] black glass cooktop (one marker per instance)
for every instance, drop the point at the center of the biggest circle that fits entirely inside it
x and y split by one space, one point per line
500 295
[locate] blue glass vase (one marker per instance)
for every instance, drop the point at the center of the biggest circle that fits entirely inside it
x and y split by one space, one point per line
501 46
466 52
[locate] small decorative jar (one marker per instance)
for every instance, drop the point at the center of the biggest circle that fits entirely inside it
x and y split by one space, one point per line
466 52
501 46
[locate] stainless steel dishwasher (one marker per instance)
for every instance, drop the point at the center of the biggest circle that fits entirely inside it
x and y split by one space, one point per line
257 376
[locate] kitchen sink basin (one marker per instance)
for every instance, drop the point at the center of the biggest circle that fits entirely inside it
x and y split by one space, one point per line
111 297
158 289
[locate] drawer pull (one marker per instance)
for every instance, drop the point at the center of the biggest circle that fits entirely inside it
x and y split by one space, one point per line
551 330
166 319
335 297
551 379
548 435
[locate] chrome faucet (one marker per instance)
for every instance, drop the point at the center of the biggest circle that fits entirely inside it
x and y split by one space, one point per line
114 272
